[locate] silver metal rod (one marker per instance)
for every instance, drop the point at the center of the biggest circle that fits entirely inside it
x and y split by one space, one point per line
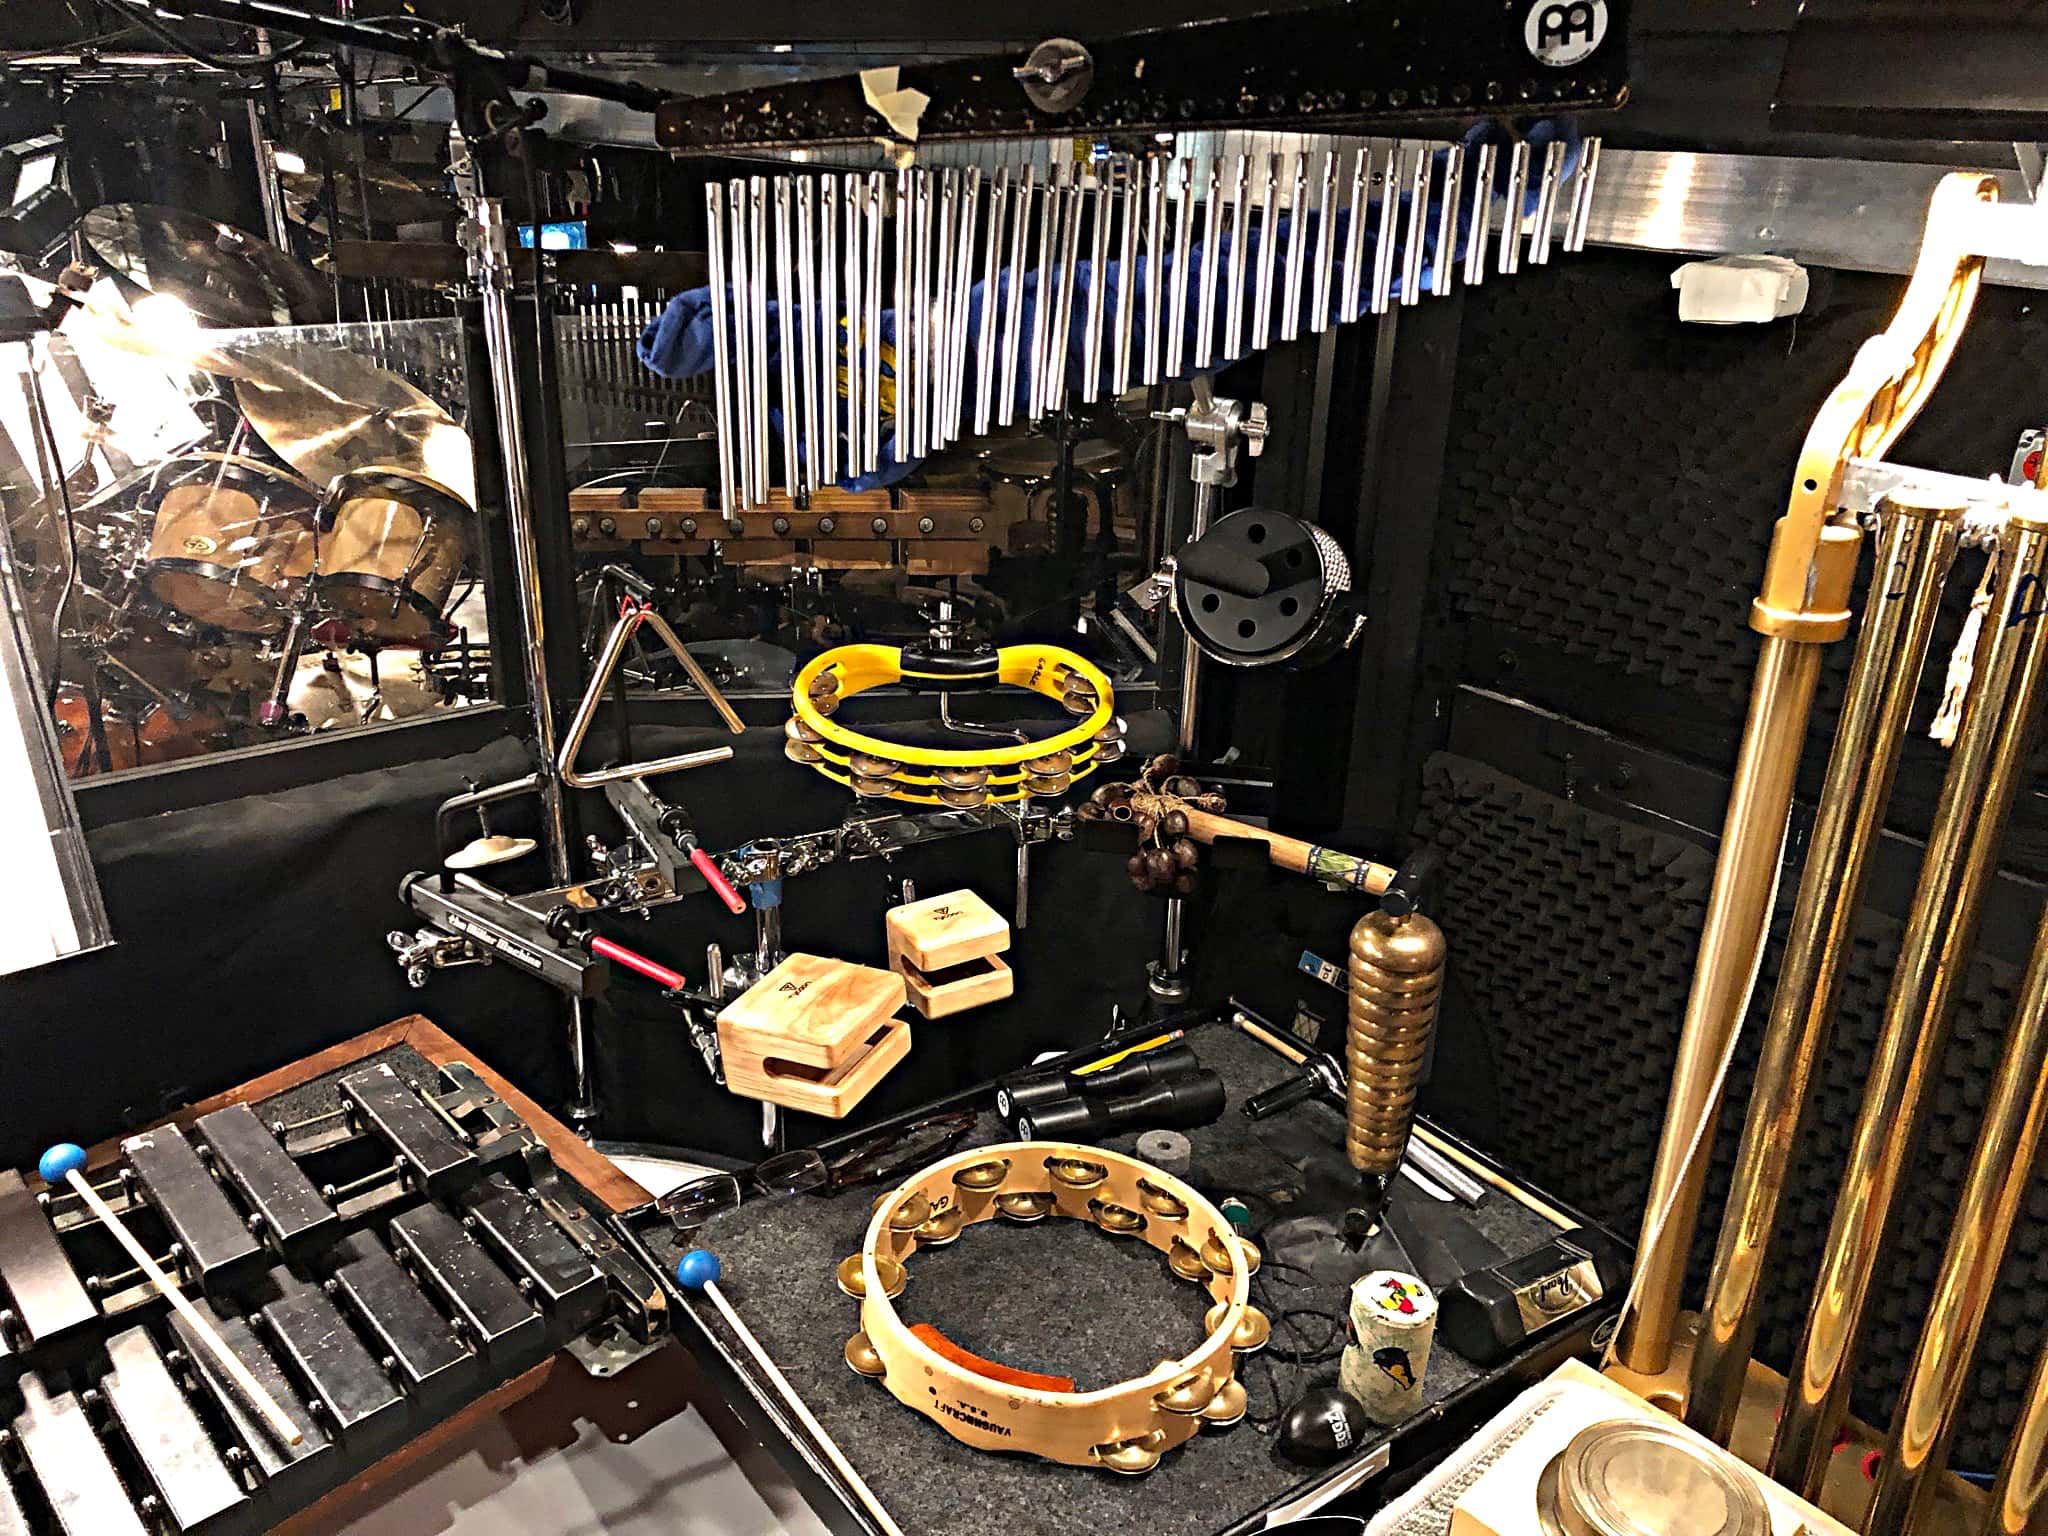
963 296
807 328
1326 243
722 380
757 235
1269 255
941 326
1479 228
828 328
492 268
1212 257
921 315
1418 225
787 324
1546 203
1354 235
277 227
871 457
1240 238
1063 311
1014 340
1443 260
1096 200
743 346
1297 249
1511 216
1175 320
1126 289
1041 298
991 292
856 337
1388 230
906 202
1155 256
1582 197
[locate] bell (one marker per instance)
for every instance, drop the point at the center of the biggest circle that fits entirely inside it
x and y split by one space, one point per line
1076 1172
1117 1220
983 1175
1227 1406
865 1359
1026 1205
494 849
854 1283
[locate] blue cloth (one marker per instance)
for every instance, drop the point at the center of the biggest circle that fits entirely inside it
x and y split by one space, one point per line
678 342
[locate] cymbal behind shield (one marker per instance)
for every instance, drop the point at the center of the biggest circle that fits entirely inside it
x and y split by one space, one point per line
224 275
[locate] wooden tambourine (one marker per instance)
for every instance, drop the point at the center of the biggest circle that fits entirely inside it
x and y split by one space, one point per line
961 777
1124 1428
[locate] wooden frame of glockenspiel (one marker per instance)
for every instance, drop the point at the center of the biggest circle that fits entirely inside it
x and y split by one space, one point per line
1123 1428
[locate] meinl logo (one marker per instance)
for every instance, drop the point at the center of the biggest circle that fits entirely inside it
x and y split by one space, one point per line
1561 33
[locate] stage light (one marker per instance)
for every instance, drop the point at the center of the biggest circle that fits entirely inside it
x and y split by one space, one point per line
36 214
29 166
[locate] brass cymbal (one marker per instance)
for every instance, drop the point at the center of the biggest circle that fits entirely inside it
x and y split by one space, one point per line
329 411
222 274
395 197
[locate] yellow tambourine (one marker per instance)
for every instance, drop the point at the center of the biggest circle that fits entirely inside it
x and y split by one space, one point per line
962 777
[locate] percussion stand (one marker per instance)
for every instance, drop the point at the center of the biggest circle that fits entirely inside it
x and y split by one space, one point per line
1216 429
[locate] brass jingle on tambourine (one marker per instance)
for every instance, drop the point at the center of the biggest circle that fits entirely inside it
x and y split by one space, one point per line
1191 1394
796 730
1107 752
1026 1204
864 1358
962 778
1048 784
854 1283
983 1175
1052 765
825 685
1227 1406
825 703
1076 1172
1251 1332
963 799
913 1213
868 766
1216 1250
1130 1457
941 1227
1118 1220
1114 731
1185 1260
873 789
801 752
1160 1203
1078 701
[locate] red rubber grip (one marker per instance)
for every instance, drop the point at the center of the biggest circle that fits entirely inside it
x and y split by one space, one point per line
714 877
653 970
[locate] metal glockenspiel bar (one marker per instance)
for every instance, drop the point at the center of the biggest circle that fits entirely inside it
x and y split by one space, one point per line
1546 202
1098 202
991 291
1297 250
1412 249
1511 216
1014 339
828 330
792 468
1443 260
1479 227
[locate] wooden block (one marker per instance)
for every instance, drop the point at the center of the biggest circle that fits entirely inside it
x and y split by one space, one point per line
811 1011
831 1092
935 994
943 931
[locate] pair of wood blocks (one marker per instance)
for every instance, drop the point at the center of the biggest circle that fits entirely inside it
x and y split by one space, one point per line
814 1034
948 951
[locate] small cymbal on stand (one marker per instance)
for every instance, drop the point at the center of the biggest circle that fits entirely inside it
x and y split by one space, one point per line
496 848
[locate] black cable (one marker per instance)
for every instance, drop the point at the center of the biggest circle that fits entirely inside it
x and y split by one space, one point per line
1294 1354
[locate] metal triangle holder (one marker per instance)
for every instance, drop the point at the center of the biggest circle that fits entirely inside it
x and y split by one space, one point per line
1010 293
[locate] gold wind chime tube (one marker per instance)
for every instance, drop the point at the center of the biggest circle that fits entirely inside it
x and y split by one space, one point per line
2019 1499
2001 1168
1801 608
1916 546
1962 856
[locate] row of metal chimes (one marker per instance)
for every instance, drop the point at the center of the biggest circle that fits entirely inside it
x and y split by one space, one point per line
837 251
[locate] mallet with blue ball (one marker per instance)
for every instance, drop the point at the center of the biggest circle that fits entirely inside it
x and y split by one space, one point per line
64 1164
698 1270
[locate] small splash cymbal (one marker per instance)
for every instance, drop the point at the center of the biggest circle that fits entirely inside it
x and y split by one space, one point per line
495 849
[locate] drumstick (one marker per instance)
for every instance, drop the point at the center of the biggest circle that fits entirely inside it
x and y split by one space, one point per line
698 1270
1290 853
64 1162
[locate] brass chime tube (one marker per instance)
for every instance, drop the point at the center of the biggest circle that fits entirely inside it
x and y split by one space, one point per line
2019 1499
1397 980
1731 942
1962 855
1916 546
2001 1168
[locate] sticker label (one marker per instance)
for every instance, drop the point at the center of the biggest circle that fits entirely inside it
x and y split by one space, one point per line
1562 33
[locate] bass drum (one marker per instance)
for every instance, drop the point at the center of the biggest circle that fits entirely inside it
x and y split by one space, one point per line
145 738
232 540
392 547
